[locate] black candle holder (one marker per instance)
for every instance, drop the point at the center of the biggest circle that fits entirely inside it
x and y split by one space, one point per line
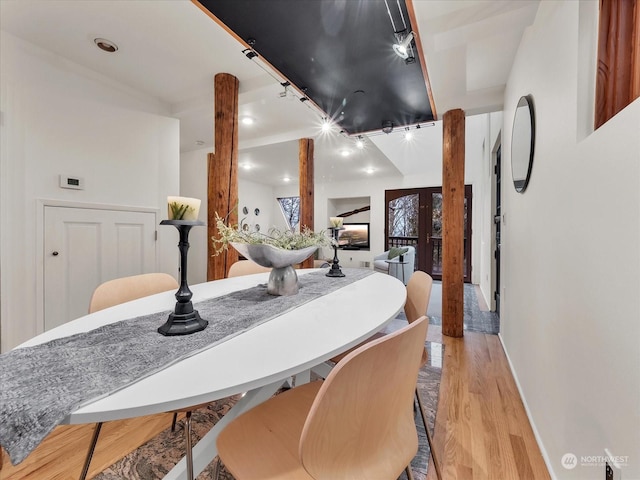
184 320
335 271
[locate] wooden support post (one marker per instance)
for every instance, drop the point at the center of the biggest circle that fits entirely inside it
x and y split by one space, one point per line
453 146
223 171
305 167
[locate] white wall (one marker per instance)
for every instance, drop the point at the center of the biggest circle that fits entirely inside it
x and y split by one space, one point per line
194 183
571 252
58 117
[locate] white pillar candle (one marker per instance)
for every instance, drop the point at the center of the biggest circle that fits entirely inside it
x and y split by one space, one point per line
336 222
183 208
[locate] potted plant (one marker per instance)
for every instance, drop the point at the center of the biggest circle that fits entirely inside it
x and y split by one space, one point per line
277 249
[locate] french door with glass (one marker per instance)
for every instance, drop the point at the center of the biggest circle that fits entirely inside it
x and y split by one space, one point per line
414 217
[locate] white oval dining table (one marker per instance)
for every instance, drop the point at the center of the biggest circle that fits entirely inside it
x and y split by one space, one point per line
256 362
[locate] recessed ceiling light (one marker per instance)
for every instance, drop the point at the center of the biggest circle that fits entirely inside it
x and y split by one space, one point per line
345 152
286 179
408 135
326 125
199 142
370 170
106 45
246 166
247 120
360 143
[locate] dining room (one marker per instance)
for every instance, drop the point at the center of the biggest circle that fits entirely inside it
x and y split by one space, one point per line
100 135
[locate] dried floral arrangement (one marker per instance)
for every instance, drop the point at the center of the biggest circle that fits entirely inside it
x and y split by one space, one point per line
286 240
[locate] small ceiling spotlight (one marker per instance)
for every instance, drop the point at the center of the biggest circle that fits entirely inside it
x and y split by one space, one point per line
345 152
408 135
287 92
369 170
402 47
326 125
286 179
250 52
105 45
387 126
246 166
360 143
247 120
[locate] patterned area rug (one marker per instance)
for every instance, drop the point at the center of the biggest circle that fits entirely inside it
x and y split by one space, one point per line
156 457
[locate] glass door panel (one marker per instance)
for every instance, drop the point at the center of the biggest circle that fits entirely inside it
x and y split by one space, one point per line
414 217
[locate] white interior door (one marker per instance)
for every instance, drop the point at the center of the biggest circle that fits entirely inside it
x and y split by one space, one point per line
84 247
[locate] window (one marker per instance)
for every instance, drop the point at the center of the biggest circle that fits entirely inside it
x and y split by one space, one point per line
290 207
403 216
618 74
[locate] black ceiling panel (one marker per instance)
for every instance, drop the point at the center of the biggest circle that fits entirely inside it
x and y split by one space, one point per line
339 52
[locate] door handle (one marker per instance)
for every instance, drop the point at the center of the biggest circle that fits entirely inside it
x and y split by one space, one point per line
428 237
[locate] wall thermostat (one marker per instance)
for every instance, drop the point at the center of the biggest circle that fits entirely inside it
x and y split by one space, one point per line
68 181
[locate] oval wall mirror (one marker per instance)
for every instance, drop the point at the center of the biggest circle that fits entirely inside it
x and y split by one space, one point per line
522 143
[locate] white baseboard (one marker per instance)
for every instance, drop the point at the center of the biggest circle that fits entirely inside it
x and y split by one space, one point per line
536 434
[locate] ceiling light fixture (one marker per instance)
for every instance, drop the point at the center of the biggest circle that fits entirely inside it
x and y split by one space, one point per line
247 120
360 143
105 45
370 170
326 125
387 126
199 143
246 166
402 47
286 179
408 135
345 152
250 53
287 92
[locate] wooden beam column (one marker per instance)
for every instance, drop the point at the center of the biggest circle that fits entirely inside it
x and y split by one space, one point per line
453 145
305 169
223 171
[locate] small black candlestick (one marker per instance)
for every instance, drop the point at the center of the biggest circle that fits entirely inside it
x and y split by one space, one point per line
184 320
335 271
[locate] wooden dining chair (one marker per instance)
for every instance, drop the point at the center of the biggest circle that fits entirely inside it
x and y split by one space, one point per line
245 267
356 424
125 289
418 295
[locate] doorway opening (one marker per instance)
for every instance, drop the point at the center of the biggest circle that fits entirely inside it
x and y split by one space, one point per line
414 218
497 220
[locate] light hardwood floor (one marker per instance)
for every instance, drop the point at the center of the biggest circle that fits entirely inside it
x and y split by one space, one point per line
482 431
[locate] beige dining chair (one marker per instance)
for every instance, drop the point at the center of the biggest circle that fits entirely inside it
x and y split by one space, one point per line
245 267
418 295
125 289
358 423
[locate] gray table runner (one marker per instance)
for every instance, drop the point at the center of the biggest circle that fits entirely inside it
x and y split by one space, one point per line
41 385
